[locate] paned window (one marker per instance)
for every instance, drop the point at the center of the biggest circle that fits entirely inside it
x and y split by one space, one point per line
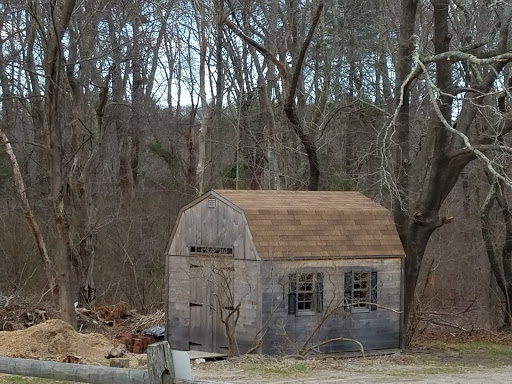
361 290
305 293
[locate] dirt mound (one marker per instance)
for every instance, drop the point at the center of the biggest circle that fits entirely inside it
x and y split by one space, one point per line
52 340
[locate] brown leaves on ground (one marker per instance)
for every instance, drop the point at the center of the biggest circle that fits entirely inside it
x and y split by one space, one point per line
502 337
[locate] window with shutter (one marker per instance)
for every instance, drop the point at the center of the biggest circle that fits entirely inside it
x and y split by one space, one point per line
305 293
292 295
361 290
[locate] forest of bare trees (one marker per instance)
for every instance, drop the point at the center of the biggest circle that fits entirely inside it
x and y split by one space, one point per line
114 114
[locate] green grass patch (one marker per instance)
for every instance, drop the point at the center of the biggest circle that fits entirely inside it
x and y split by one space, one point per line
485 346
29 380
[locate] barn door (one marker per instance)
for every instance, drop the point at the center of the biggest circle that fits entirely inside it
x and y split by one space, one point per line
222 294
201 335
211 300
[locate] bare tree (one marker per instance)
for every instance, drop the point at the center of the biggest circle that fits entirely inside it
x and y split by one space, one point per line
54 69
498 245
457 79
290 79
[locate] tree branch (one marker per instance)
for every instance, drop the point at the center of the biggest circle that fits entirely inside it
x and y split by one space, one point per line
455 56
465 139
29 215
297 68
283 71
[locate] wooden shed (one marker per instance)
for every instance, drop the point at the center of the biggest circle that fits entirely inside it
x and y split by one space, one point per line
284 272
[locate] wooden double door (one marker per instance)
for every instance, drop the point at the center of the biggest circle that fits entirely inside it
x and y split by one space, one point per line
211 300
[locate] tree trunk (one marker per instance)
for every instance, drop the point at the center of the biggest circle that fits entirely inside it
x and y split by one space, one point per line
29 215
500 260
420 191
205 115
54 67
137 93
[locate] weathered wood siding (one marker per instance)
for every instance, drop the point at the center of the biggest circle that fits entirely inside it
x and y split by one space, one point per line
379 329
201 289
202 292
178 306
222 226
196 300
247 289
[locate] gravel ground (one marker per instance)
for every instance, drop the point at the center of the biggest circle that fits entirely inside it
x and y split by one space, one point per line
395 369
498 376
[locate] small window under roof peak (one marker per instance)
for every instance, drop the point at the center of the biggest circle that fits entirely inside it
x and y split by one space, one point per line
212 202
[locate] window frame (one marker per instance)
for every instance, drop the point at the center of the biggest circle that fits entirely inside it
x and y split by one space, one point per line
354 287
312 287
210 250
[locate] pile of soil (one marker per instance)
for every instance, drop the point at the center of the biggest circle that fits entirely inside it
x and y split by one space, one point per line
53 340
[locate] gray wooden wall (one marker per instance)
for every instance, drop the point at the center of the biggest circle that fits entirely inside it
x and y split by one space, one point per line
178 305
247 288
201 290
193 312
223 226
379 329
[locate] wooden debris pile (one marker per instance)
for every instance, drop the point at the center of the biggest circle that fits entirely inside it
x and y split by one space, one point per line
118 315
18 313
110 315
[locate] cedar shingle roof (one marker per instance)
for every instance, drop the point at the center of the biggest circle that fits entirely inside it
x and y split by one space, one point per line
306 224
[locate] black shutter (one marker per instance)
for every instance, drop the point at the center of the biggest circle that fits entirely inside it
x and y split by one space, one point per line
319 292
292 294
374 291
348 290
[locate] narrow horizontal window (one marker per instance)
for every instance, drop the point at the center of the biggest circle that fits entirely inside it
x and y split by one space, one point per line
210 250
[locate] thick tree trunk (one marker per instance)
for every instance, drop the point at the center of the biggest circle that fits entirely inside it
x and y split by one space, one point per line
415 241
414 248
54 67
500 260
423 189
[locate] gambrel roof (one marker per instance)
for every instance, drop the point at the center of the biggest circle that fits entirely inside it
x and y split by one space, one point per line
315 224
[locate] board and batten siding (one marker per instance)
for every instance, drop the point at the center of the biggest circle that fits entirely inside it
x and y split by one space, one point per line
193 313
178 302
379 329
331 233
222 226
247 290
